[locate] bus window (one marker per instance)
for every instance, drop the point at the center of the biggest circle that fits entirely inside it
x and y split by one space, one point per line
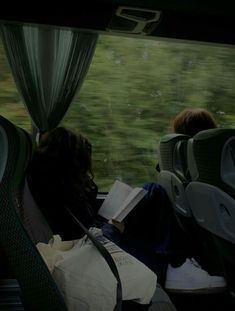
133 89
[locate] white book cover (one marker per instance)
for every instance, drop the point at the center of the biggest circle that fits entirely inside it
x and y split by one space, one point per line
120 200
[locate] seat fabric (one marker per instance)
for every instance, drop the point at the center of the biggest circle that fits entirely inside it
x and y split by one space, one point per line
38 289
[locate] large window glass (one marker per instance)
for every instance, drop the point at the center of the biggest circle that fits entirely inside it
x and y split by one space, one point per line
132 91
135 87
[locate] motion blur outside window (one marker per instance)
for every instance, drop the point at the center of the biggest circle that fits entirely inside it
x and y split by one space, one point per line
133 89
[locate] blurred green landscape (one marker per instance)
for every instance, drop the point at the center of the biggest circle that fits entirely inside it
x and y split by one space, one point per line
132 91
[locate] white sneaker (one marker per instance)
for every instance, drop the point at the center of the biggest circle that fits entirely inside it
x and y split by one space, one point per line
191 278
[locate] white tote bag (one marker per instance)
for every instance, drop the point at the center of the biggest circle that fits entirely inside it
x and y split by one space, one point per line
85 279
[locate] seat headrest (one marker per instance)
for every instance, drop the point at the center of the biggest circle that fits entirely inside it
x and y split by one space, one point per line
173 153
180 163
211 155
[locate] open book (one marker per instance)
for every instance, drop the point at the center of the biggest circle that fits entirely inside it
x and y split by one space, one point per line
120 200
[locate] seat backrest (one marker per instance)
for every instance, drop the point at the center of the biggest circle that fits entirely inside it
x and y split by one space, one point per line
211 192
39 291
173 175
32 218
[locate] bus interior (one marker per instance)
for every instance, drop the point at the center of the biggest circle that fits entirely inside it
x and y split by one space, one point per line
119 71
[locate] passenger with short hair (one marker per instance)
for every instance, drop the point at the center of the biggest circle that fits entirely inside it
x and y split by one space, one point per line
191 121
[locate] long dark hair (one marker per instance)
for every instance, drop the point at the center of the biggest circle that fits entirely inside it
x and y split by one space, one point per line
68 152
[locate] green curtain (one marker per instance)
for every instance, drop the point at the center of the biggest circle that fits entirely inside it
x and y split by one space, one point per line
49 66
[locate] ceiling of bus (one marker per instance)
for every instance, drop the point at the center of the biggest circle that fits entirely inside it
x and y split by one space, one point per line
200 20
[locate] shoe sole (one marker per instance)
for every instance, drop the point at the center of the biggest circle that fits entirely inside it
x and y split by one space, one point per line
200 291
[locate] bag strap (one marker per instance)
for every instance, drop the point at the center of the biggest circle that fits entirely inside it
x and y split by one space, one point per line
108 258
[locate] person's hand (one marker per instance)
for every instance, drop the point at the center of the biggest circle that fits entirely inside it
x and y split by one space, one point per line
119 225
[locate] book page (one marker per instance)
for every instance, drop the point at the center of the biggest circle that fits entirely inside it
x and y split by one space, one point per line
114 200
131 201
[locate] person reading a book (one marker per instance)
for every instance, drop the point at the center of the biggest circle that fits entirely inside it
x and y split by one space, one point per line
60 177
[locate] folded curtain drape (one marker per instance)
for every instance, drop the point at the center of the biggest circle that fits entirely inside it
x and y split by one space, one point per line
49 66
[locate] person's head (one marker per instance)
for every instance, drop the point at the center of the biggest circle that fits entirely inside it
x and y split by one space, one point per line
68 152
190 121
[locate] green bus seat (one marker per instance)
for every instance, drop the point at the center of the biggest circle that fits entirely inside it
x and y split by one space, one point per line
211 193
175 177
38 289
173 171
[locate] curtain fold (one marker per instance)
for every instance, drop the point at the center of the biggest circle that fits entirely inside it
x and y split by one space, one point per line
49 66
